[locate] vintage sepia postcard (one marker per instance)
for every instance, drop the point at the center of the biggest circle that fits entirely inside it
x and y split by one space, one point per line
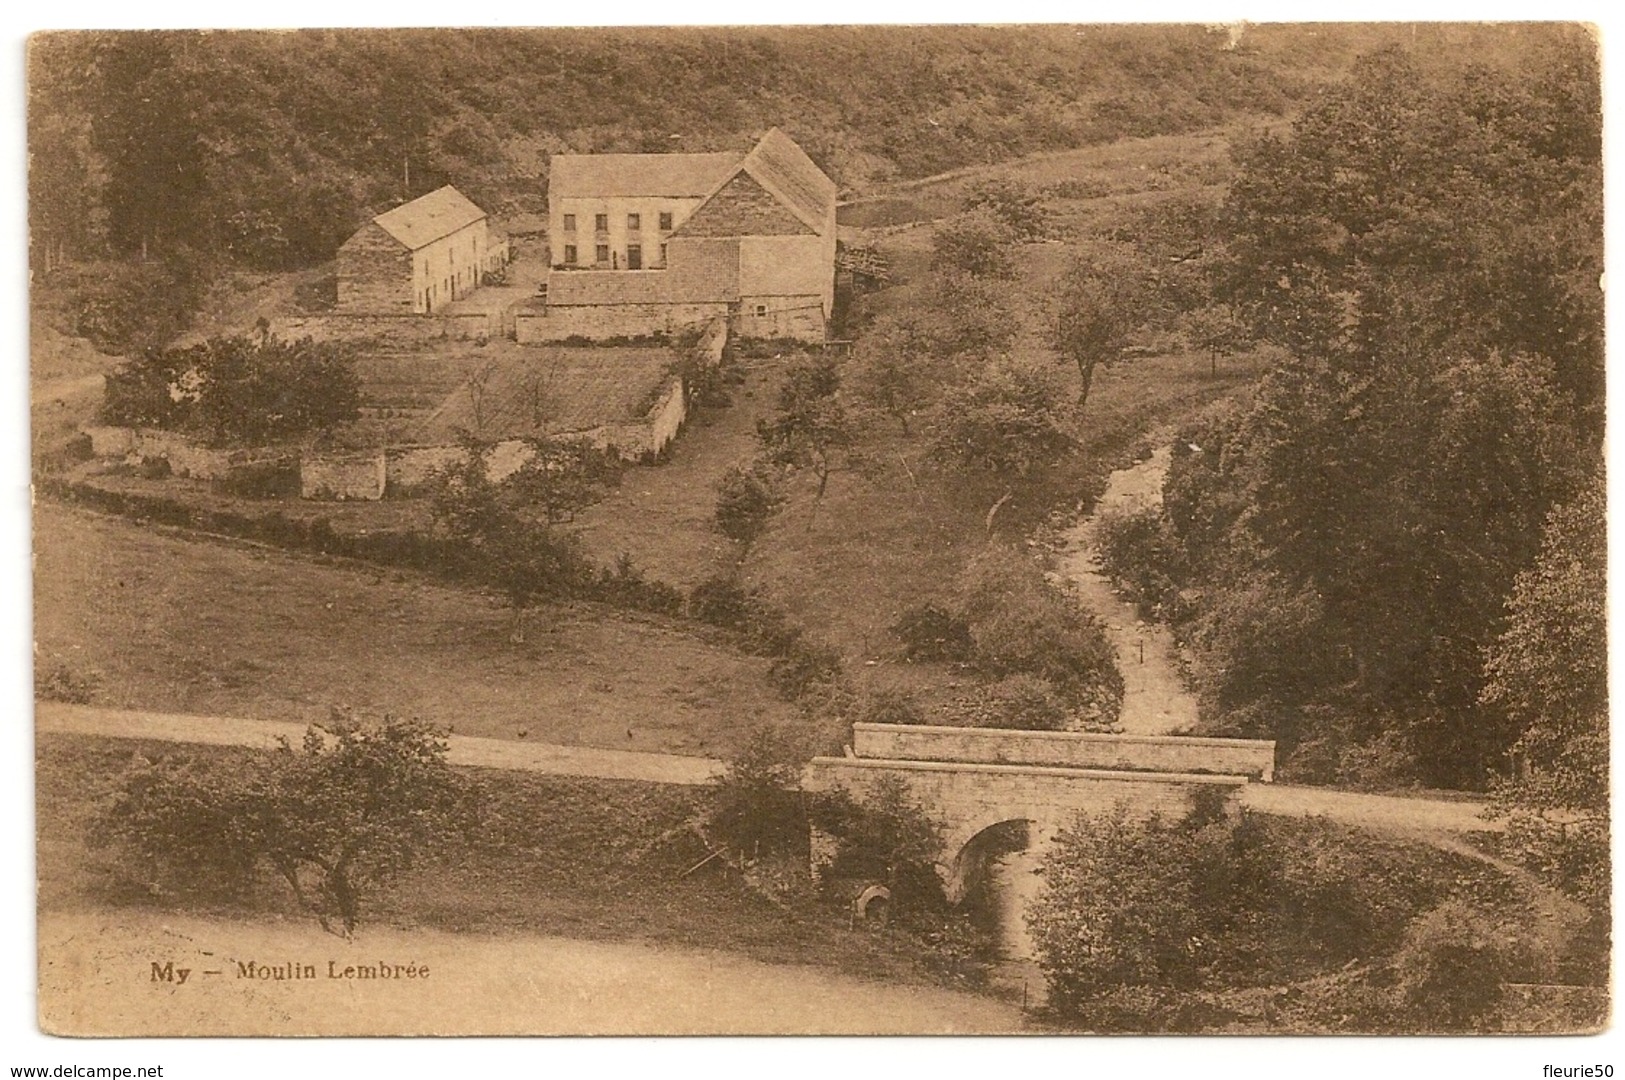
1052 529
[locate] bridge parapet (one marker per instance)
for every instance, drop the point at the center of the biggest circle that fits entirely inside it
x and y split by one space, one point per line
1139 754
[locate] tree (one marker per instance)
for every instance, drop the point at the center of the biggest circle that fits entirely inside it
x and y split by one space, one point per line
498 537
1444 210
1094 314
757 806
977 244
562 477
891 370
145 392
884 836
1117 910
1003 423
1019 623
1548 672
1215 330
811 429
342 816
268 389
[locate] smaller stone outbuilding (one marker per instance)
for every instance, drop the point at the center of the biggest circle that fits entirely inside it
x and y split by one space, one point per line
418 257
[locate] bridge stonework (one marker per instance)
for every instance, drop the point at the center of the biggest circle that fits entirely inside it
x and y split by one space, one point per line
1033 777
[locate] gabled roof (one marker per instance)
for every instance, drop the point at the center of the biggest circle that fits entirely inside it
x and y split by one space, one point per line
427 218
676 176
782 167
789 175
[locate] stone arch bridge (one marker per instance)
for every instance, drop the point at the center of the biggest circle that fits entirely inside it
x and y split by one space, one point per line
980 782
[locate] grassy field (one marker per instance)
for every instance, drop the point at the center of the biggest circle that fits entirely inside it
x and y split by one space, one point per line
160 621
593 859
1125 167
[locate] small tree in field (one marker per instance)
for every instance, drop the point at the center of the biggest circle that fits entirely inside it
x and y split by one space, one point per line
340 817
1094 311
811 429
501 531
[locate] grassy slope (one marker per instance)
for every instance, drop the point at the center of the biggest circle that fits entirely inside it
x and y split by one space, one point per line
165 622
663 517
554 855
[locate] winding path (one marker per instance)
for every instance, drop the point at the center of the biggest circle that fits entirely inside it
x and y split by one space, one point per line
1155 701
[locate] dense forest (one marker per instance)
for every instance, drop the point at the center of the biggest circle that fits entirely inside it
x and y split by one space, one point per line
1426 250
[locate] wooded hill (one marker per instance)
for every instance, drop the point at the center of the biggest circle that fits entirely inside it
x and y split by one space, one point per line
270 147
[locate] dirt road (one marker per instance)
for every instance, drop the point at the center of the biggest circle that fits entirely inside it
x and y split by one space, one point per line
102 973
55 716
1382 812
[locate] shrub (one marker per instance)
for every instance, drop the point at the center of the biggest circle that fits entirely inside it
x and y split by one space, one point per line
627 586
1019 623
1138 551
929 632
1028 703
977 244
1455 960
721 601
343 815
803 665
747 497
889 706
709 385
756 806
1019 209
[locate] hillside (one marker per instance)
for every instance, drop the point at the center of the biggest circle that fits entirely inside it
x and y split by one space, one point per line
271 146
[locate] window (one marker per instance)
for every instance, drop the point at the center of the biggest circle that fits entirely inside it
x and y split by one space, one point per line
601 253
665 222
600 222
569 223
634 256
761 309
569 254
634 222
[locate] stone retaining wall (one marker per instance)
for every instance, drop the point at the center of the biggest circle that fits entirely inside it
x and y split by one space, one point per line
402 330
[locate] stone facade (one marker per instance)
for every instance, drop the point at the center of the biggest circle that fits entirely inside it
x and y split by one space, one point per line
374 273
417 258
967 779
